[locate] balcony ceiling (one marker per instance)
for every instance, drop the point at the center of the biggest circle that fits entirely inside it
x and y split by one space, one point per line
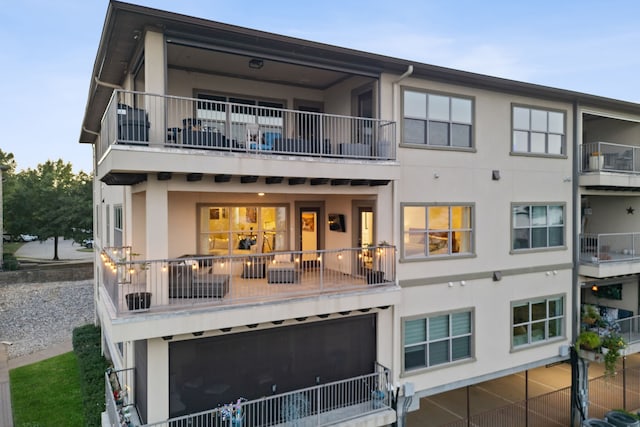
237 65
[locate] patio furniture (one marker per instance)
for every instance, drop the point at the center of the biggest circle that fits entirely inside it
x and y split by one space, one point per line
283 270
187 281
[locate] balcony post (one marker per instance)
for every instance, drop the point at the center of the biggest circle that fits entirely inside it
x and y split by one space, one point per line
155 66
157 243
157 380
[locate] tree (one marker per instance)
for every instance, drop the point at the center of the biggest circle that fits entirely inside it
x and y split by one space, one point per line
7 160
50 201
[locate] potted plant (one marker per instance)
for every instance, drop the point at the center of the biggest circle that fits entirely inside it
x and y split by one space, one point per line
233 412
612 345
378 398
376 275
596 161
138 300
590 316
588 340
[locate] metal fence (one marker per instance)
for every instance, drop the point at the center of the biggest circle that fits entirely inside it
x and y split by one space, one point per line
136 118
609 157
609 247
314 406
136 285
606 393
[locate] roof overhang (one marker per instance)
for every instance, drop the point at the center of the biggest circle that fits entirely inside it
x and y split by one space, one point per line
120 48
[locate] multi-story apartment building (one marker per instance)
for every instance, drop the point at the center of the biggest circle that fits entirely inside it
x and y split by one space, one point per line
307 227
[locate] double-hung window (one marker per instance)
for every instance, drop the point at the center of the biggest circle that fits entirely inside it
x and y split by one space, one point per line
437 120
537 226
438 339
538 320
538 131
438 230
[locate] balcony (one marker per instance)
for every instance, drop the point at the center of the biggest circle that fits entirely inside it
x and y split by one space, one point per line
135 286
605 165
136 119
609 254
366 397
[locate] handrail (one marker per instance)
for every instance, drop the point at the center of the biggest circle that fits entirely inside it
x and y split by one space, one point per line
136 285
144 119
318 405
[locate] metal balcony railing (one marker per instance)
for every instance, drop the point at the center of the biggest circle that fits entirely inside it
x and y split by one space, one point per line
135 118
120 406
608 157
629 329
135 285
320 405
609 247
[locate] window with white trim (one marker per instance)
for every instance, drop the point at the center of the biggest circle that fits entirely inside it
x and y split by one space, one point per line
537 226
538 131
537 320
437 340
437 120
437 230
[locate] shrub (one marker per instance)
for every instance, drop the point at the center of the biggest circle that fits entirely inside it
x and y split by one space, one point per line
91 365
9 262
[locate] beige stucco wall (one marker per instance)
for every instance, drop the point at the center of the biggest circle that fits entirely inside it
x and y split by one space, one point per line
453 176
491 305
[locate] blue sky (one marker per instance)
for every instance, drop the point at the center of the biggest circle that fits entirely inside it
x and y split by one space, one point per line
47 50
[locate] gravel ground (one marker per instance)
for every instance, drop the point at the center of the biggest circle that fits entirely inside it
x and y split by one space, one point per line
34 316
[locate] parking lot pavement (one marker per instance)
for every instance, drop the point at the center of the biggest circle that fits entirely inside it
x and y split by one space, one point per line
67 250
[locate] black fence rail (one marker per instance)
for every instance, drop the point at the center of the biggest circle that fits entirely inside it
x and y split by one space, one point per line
606 393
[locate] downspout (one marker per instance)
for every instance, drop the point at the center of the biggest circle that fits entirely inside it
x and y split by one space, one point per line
402 409
578 370
393 88
105 84
575 324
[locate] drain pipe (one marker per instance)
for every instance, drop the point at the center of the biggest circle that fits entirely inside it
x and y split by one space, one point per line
393 89
401 410
105 84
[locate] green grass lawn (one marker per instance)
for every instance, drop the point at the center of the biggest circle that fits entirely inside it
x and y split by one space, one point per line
11 247
47 393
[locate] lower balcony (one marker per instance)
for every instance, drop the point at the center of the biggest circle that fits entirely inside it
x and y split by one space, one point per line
365 399
609 254
191 281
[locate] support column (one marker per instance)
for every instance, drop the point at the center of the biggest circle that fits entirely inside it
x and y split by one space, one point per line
155 74
157 380
157 237
579 389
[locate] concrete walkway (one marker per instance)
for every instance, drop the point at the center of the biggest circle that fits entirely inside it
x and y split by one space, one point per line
43 251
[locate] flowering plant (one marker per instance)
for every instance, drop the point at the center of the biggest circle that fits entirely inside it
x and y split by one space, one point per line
233 411
614 343
119 395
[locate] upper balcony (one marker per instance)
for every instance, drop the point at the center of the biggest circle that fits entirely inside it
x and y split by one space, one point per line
142 290
145 133
604 165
